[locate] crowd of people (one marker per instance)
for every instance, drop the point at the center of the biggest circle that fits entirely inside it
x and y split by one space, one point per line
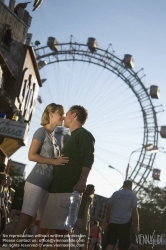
56 175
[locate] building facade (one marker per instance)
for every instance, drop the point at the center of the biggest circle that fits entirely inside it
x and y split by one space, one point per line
61 135
98 208
19 78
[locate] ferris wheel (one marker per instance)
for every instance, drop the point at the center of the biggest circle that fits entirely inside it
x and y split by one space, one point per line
122 116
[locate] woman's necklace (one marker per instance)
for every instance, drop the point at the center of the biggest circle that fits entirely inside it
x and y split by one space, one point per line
53 140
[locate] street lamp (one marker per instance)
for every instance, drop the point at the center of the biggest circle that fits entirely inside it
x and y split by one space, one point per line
116 170
148 147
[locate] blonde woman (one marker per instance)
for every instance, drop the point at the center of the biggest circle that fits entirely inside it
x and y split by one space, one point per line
43 150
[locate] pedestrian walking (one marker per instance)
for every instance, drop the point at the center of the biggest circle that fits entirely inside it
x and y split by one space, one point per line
95 233
121 213
82 225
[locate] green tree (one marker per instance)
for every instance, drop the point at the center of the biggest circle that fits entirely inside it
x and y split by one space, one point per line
152 209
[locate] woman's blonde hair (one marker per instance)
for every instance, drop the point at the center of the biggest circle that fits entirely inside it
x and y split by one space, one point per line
52 107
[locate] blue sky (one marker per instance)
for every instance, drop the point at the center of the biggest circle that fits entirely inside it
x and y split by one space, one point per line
132 27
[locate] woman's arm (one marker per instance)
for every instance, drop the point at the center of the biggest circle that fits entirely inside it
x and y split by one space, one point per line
33 155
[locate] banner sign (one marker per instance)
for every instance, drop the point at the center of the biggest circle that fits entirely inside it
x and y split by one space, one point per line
14 129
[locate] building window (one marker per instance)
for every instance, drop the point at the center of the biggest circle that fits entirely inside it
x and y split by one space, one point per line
102 208
94 206
6 37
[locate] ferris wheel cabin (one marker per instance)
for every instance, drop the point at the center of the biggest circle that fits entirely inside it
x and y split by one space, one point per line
156 174
92 44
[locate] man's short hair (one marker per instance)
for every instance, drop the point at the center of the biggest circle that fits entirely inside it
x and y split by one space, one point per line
127 183
82 113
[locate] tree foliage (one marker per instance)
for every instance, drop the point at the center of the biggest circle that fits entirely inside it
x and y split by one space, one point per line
152 209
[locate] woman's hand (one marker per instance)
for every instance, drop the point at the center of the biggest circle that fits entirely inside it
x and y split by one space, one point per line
61 160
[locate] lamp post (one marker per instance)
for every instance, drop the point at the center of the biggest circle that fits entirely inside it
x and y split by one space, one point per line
149 147
116 170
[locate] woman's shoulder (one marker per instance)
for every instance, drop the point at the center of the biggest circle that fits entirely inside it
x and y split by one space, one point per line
42 129
40 132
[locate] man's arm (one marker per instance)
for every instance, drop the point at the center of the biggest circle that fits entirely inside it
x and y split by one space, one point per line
81 184
135 218
106 217
108 212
